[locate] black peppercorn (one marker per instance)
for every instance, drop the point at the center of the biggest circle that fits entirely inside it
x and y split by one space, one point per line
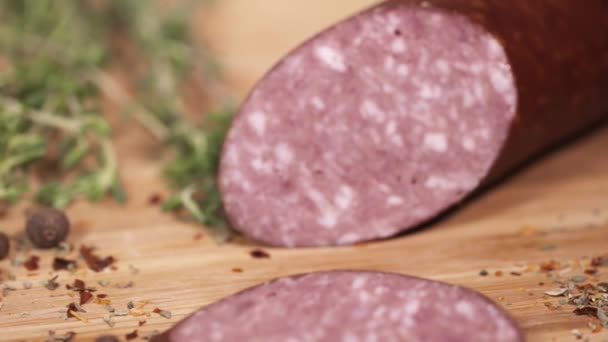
107 338
4 245
46 227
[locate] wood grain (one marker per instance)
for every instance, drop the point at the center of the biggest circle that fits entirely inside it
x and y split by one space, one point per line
560 202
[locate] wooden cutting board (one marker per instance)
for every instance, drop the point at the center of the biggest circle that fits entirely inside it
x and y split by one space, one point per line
555 209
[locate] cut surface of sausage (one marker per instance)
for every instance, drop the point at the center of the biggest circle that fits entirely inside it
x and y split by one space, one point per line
349 306
389 118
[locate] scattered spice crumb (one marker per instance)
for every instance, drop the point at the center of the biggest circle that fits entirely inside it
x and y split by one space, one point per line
549 306
577 333
141 323
579 279
51 284
586 311
68 337
155 199
107 318
78 316
528 231
94 262
85 296
590 271
124 285
107 338
548 266
31 264
132 335
498 273
483 273
134 270
63 264
130 305
101 295
259 254
600 261
237 270
121 312
517 274
557 292
541 284
197 236
151 335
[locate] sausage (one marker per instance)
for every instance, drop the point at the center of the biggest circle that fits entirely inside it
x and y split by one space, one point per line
387 119
349 306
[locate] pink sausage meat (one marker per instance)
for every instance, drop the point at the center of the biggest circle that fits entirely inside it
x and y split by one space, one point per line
389 118
349 306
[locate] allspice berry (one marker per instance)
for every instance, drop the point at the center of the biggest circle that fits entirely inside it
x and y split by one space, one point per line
107 338
4 245
46 227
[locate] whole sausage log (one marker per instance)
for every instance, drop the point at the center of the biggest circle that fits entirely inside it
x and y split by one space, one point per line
391 117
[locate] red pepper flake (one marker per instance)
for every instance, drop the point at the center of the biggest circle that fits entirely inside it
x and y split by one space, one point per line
600 261
157 310
548 266
591 271
155 199
498 273
63 264
102 295
517 274
586 310
141 323
78 285
237 270
71 308
32 263
94 262
197 236
259 254
85 296
132 335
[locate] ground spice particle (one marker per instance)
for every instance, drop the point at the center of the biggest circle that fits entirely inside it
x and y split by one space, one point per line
600 261
586 311
141 323
590 271
498 273
60 264
51 284
259 254
237 270
85 296
31 264
131 336
547 266
94 262
483 273
516 274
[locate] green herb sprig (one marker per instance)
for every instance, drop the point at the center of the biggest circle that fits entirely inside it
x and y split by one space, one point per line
52 85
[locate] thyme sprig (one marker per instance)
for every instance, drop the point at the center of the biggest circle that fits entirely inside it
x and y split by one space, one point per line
53 61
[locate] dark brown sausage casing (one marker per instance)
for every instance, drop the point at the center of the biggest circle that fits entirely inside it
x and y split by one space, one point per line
394 115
